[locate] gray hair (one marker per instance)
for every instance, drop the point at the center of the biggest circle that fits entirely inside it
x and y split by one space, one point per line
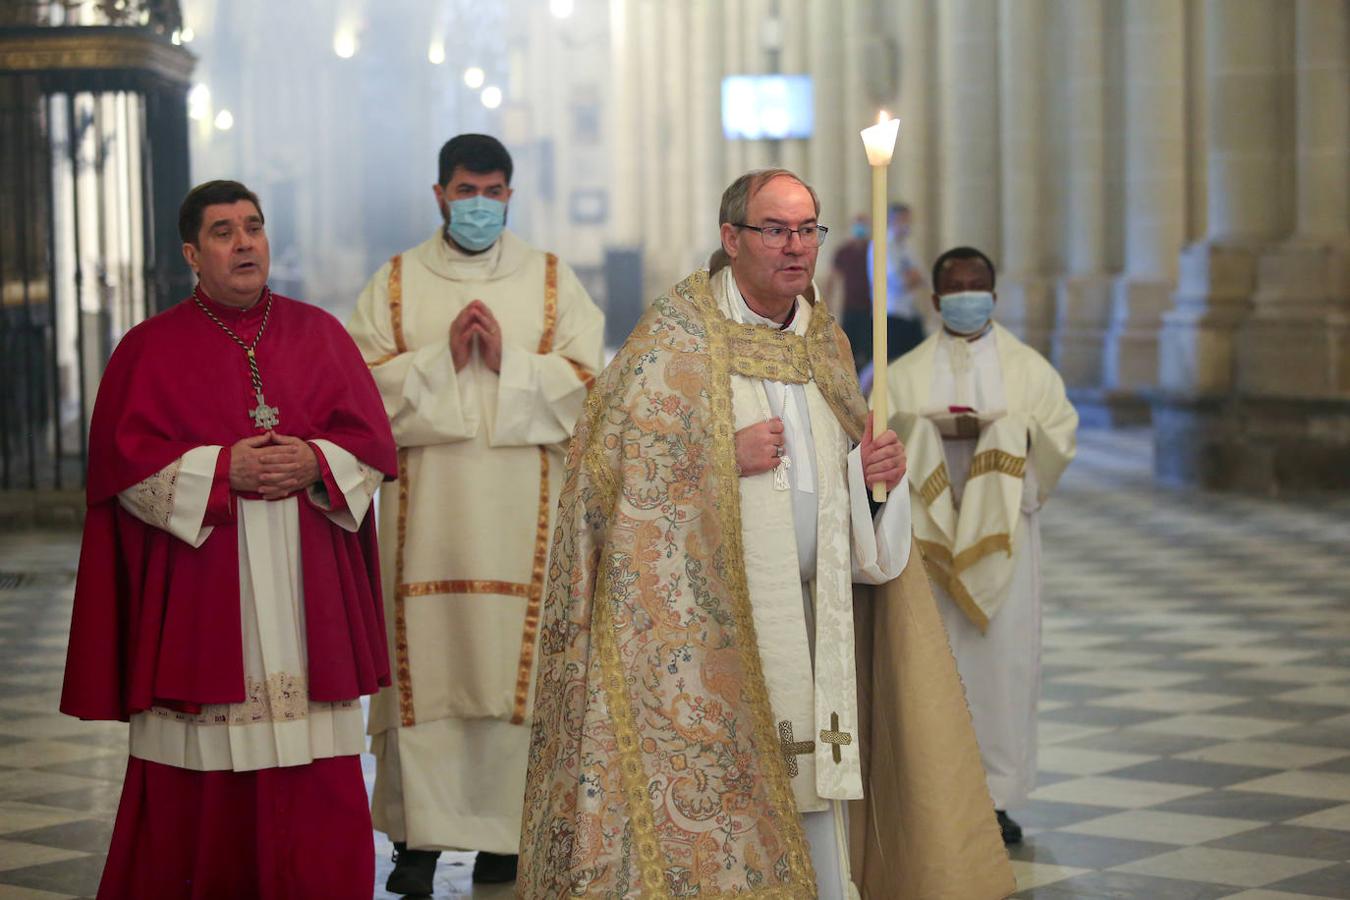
736 198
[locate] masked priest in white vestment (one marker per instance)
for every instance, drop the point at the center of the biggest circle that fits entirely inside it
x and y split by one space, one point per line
483 348
700 723
989 432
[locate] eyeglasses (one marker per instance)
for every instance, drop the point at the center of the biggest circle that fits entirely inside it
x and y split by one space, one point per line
775 237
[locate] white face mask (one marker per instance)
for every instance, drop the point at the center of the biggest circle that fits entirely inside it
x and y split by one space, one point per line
966 312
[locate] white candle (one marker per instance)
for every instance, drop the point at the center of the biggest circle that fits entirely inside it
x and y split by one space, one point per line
879 142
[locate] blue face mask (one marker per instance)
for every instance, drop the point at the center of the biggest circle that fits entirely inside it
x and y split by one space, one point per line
966 312
477 222
859 229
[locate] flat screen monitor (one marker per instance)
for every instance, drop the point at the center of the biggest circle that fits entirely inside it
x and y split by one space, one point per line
767 107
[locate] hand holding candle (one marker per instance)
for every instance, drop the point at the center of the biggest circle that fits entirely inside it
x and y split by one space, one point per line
879 142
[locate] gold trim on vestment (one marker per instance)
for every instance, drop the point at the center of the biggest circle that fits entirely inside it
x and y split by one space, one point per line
402 667
631 773
468 586
723 417
936 559
382 360
997 461
933 486
765 353
550 303
396 302
535 597
584 375
832 371
539 563
593 455
990 543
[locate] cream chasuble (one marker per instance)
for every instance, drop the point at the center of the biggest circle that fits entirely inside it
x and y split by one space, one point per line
277 724
978 519
1018 414
464 538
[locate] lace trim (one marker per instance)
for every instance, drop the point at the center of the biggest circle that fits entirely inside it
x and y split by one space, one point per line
371 479
152 499
282 697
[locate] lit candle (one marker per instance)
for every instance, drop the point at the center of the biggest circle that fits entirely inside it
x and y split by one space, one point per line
879 141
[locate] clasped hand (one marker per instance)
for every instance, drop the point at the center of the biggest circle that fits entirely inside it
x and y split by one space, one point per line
476 324
273 465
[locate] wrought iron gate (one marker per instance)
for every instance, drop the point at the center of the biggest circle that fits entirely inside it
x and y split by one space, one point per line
93 164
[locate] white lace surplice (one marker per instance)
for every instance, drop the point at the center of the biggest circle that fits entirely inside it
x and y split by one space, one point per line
276 724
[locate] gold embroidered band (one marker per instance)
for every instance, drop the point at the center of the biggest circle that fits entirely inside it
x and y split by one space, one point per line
934 485
997 461
466 586
535 596
402 668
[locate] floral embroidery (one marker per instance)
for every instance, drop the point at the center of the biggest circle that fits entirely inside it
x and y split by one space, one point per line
371 479
152 499
655 763
282 697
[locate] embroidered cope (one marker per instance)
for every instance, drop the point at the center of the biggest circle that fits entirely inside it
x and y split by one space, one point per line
675 665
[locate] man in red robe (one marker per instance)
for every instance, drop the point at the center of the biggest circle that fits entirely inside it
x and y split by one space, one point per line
228 601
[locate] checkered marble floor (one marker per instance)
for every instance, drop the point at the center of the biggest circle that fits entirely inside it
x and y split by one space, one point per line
1195 725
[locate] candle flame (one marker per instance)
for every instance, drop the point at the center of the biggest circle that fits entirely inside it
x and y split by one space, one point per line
882 117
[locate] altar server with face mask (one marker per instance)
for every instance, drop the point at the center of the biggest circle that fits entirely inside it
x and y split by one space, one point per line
483 349
988 431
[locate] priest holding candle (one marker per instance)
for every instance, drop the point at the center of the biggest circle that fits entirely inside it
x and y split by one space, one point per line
711 688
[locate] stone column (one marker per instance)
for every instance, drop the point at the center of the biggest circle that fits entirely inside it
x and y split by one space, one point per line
1255 354
1243 173
828 143
1155 200
796 39
1323 119
624 134
1083 293
660 254
968 117
858 110
1295 343
705 126
1025 303
914 164
673 154
736 159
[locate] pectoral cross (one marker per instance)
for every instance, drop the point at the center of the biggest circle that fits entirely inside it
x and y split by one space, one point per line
792 749
836 738
264 416
780 474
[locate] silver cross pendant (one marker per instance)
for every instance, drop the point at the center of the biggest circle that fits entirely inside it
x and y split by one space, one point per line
264 417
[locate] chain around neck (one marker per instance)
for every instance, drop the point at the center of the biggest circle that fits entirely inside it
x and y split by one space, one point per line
254 375
267 311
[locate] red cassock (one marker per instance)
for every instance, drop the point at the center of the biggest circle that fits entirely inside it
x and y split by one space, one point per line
157 622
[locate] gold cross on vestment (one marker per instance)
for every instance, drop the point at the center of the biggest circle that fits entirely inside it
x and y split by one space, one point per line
836 737
792 750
